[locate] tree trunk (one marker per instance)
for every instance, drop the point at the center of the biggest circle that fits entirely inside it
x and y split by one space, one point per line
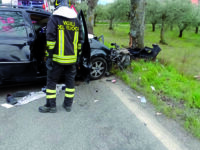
171 27
162 33
181 33
95 19
197 30
111 26
137 17
90 14
153 27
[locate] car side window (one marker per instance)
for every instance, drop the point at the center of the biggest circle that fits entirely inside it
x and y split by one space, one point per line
12 24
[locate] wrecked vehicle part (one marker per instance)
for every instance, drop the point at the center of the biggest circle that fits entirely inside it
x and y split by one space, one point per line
145 53
120 57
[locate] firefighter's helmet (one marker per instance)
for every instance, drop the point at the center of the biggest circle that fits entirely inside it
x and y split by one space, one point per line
58 3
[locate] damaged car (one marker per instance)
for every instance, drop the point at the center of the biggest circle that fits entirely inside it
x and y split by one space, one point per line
23 46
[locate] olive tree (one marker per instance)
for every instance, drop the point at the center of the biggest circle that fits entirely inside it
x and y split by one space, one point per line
152 13
166 15
117 11
82 6
185 15
99 13
122 7
196 20
110 13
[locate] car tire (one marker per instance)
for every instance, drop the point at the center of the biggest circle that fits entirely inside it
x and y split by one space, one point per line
98 68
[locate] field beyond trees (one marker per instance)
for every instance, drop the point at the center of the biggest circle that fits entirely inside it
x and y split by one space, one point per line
177 91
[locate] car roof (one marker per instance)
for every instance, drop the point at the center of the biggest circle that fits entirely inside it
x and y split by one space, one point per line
33 10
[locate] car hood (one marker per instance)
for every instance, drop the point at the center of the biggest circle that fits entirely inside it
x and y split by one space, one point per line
95 44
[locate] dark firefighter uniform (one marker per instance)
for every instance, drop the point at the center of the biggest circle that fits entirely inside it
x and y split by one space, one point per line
62 42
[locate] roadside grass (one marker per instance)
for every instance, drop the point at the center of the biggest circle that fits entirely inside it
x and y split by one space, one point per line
175 95
177 92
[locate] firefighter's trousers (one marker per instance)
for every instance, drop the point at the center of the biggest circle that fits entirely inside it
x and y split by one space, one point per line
52 79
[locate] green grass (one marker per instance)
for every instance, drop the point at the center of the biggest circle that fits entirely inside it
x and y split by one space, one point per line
182 53
177 93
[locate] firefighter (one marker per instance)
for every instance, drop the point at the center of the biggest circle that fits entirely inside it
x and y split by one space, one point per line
63 34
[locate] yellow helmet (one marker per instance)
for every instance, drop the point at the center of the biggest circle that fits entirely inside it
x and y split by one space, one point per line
62 3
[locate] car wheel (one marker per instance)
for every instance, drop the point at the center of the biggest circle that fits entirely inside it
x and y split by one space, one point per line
98 68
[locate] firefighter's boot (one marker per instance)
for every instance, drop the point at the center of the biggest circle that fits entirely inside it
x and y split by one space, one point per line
49 107
67 108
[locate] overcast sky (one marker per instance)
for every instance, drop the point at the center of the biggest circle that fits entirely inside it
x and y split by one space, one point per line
105 1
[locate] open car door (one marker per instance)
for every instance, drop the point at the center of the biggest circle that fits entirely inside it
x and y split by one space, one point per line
85 53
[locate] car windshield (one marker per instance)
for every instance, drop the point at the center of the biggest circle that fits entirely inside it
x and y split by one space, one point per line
12 24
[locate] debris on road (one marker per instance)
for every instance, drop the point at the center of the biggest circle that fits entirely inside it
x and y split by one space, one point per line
96 101
114 81
142 99
153 88
158 113
7 105
31 97
10 99
111 80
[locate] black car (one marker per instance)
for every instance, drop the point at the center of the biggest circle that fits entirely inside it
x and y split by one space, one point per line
23 45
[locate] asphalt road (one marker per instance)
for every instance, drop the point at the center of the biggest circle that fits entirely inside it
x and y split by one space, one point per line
105 116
